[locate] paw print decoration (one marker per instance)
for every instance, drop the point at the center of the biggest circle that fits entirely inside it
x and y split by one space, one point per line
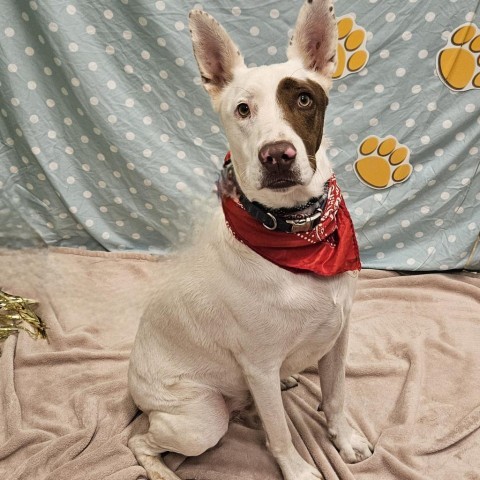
382 162
458 63
352 54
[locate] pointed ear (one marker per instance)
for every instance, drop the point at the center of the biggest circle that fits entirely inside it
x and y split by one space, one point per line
315 37
216 54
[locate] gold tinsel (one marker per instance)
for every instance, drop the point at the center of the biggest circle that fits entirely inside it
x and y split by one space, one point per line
16 314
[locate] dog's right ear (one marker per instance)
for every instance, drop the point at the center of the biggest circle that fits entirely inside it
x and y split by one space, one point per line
216 54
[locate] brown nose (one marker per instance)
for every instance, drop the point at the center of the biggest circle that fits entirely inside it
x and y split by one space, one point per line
277 155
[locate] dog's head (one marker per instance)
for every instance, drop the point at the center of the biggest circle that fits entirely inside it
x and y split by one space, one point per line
273 115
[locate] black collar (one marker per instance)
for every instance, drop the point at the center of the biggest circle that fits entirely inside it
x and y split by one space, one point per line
287 220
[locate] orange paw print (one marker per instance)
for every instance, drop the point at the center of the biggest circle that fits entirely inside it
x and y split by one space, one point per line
458 64
382 162
352 55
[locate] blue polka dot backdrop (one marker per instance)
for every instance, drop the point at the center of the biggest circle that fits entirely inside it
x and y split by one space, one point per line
109 142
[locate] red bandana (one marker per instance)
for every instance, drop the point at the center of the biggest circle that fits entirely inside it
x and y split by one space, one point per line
328 249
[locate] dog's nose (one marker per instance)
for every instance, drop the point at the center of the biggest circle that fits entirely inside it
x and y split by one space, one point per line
277 155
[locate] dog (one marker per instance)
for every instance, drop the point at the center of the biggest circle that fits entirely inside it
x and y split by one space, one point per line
267 290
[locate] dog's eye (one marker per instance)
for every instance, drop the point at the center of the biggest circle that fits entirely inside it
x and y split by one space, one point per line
304 100
243 110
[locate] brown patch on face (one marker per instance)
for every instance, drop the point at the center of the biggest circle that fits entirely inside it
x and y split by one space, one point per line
306 121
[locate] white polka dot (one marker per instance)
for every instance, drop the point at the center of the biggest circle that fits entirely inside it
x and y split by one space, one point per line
75 82
373 122
386 236
342 88
430 17
410 122
53 166
73 47
52 134
130 136
70 180
416 89
405 223
164 138
446 123
198 111
473 151
12 68
380 255
274 13
160 5
432 106
181 186
36 151
142 21
254 31
29 51
102 184
68 121
112 119
53 27
71 10
109 49
108 14
459 210
93 100
147 88
337 121
90 29
452 238
179 26
163 74
419 234
358 105
358 211
411 261
394 106
161 41
470 107
452 167
129 102
470 16
105 235
272 50
407 35
390 17
147 120
9 32
444 195
92 66
118 200
163 169
48 71
379 88
33 118
87 194
400 72
425 140
438 152
181 154
460 137
69 150
164 106
147 153
236 11
111 84
466 181
472 226
57 61
423 54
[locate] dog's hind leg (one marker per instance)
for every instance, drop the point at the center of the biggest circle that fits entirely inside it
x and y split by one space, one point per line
189 429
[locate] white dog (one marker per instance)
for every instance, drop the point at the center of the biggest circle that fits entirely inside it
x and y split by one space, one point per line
267 291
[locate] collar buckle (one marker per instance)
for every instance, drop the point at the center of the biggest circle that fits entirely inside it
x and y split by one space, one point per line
304 224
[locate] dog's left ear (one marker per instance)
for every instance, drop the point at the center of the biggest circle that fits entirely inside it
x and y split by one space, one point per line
216 54
315 38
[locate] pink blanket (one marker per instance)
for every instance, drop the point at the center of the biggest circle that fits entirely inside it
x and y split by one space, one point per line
413 378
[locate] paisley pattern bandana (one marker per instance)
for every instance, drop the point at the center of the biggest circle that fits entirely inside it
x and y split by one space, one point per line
328 249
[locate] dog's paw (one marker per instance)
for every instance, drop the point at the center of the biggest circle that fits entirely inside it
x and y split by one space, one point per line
458 64
288 383
352 54
382 162
352 446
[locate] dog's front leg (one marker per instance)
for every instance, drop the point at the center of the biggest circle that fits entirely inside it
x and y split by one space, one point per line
353 447
264 385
